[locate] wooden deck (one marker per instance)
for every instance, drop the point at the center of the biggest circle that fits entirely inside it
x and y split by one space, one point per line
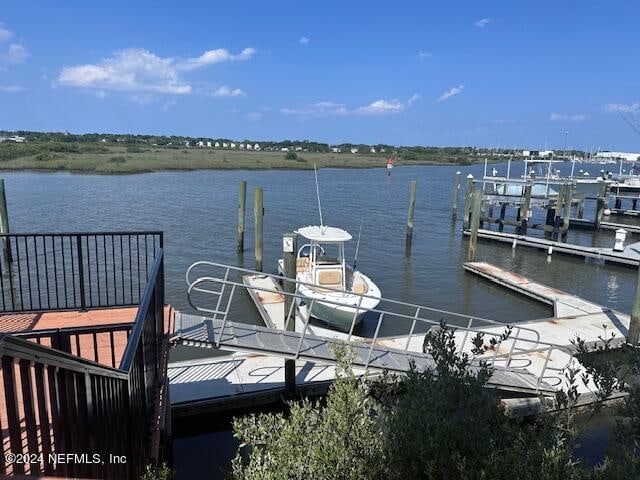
104 337
102 333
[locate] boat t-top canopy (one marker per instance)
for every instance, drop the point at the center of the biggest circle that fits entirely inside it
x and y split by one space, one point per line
325 234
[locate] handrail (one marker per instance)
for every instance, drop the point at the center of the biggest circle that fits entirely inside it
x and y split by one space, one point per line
517 349
24 349
138 325
333 289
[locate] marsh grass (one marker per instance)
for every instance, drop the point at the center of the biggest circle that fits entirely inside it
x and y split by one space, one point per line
97 158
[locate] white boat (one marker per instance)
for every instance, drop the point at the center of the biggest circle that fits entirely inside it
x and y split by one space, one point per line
336 293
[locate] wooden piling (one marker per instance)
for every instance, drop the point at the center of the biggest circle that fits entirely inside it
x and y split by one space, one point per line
289 253
526 206
633 337
456 189
4 225
258 214
566 209
475 224
467 202
503 212
412 207
242 202
581 209
601 205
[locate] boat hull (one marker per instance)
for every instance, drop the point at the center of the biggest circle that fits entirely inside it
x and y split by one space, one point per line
339 317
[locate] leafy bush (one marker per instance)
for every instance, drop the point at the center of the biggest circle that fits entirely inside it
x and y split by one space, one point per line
118 159
433 425
135 149
291 156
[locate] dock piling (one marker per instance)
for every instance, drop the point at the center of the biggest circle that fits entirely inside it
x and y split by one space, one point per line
566 209
467 202
633 337
456 189
289 253
601 205
412 208
526 206
4 225
242 202
475 224
258 214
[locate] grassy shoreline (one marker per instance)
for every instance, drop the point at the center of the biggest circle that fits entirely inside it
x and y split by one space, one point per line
128 160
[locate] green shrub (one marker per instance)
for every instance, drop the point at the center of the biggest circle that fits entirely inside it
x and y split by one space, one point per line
118 159
135 149
291 156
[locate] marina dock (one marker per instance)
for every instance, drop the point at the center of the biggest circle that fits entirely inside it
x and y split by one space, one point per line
630 256
531 361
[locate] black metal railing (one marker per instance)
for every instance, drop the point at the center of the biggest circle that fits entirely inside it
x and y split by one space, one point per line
61 271
55 403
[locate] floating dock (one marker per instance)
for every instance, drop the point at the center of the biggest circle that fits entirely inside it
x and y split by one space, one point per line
630 256
573 317
531 361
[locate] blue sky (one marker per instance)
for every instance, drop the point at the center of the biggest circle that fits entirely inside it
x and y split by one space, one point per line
513 73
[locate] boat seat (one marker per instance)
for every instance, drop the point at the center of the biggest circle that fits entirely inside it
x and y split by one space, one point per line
302 264
330 278
360 288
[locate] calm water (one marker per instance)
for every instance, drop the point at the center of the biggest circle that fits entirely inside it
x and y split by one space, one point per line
198 211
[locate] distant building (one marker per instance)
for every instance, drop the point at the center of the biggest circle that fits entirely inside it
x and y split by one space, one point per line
284 149
298 149
186 144
335 150
225 145
629 157
208 144
372 150
354 150
233 145
249 147
256 146
201 144
242 146
545 153
217 144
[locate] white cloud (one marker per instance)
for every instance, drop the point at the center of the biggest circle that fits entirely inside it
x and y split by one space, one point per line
304 40
17 53
377 107
450 93
558 117
137 70
381 107
211 57
320 109
422 55
254 116
622 108
483 22
11 88
5 34
228 92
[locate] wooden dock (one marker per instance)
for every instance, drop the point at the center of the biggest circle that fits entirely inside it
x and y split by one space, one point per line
630 256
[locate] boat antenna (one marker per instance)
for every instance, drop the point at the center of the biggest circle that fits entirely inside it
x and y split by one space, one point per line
355 259
315 172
